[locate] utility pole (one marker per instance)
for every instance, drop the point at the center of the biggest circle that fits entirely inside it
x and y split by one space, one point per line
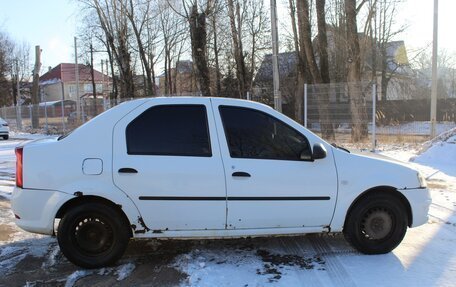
434 70
36 89
76 71
275 62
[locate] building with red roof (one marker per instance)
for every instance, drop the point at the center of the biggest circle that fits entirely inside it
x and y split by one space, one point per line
63 78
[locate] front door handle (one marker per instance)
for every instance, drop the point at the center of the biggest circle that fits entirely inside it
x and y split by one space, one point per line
241 174
127 170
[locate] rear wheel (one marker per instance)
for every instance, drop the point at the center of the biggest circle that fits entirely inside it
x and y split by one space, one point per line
376 224
6 137
93 235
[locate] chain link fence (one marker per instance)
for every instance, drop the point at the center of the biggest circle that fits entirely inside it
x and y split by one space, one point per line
333 111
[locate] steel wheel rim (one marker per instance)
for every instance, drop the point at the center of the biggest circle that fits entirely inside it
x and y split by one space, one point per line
93 236
377 224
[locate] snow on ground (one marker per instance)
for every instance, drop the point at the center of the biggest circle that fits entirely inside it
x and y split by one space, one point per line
426 257
410 128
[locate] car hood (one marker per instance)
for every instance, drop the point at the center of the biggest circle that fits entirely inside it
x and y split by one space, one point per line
375 169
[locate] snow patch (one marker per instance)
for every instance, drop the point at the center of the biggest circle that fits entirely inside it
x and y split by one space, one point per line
124 271
75 276
440 153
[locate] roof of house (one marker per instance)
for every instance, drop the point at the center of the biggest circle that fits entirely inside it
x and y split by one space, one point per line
397 60
184 66
287 66
65 72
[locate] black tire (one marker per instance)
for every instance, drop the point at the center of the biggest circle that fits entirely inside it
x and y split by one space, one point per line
93 235
376 224
5 137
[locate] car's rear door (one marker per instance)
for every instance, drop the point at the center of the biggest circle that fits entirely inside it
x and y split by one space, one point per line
268 184
167 159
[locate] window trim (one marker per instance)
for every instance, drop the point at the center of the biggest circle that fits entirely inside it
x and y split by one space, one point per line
209 154
220 107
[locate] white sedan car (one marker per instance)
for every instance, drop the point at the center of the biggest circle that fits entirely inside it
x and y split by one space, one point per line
207 168
4 129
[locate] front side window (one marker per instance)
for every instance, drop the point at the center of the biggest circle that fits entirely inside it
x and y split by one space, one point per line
254 134
180 130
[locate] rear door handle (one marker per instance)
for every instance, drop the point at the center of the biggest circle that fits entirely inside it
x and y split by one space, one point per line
241 174
127 170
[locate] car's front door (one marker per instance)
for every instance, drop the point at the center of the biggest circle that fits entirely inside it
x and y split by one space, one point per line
271 180
166 157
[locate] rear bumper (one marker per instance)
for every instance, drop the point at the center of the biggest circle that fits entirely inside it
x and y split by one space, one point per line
37 208
420 200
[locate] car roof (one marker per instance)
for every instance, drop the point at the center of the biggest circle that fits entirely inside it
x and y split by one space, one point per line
228 101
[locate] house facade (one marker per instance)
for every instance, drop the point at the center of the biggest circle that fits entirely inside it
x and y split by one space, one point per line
183 80
59 83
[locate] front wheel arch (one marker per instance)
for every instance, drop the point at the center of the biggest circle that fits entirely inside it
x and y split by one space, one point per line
384 189
377 223
80 200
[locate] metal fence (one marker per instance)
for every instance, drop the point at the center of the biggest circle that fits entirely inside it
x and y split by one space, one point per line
385 121
327 110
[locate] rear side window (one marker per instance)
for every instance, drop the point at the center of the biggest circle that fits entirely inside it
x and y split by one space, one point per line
254 134
179 130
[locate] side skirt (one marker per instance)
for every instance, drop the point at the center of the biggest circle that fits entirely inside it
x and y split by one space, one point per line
229 233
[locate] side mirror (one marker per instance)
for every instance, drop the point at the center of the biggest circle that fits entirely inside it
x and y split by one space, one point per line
319 151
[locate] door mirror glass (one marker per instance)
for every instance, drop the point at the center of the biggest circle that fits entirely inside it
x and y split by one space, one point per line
319 151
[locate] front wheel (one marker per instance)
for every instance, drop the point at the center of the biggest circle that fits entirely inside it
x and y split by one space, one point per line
376 224
93 235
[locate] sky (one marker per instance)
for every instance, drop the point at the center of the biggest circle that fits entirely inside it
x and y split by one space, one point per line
52 25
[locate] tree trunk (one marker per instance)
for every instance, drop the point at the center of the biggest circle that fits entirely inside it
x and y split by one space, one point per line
238 57
357 101
300 71
142 52
327 130
322 41
216 56
198 42
94 86
114 92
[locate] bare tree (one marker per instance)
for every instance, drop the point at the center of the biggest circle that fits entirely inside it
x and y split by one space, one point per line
173 33
198 38
305 33
112 17
6 50
236 36
357 100
381 29
138 13
257 24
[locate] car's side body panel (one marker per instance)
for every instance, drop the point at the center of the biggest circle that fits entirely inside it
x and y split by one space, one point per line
173 192
279 193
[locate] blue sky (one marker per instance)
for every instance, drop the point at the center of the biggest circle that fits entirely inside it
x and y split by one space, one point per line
52 25
48 23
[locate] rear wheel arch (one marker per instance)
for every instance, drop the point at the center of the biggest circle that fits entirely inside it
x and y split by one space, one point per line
80 200
387 190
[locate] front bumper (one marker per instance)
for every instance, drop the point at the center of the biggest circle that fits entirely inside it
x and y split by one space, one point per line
420 200
36 208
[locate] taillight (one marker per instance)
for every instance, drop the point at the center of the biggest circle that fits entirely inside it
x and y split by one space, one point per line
19 167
